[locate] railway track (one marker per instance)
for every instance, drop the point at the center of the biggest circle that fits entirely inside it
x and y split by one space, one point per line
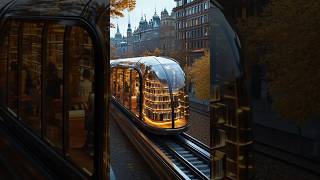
193 160
172 157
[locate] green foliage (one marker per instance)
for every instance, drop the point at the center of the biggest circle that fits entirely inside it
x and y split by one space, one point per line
286 38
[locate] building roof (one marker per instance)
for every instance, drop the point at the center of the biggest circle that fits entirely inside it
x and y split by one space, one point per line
91 10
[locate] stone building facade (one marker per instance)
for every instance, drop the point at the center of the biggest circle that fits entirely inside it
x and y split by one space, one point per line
192 28
148 36
167 33
119 45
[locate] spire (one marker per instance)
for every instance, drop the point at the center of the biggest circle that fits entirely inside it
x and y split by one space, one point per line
118 31
129 18
129 24
118 34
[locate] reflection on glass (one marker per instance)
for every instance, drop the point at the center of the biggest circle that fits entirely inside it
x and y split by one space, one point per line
113 81
13 67
126 88
81 94
53 74
230 107
157 101
30 77
3 71
119 86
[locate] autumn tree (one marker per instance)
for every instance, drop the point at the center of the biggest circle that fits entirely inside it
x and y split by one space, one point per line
286 38
118 6
200 73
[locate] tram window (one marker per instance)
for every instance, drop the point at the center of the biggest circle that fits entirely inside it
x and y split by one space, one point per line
135 92
13 66
156 96
113 81
119 90
3 71
53 73
30 76
81 106
180 106
126 88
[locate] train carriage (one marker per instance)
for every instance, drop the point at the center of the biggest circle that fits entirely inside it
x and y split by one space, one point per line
153 89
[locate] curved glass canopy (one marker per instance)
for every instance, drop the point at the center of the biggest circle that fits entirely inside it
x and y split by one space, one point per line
229 101
225 50
164 102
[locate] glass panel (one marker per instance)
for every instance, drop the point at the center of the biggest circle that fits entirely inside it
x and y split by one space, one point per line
157 109
152 66
53 112
176 79
13 67
119 84
3 71
81 102
30 79
227 64
126 88
113 82
176 76
229 106
135 92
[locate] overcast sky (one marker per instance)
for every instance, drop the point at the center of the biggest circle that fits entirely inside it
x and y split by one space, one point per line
147 7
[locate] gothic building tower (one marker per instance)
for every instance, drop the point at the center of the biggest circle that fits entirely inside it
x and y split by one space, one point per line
129 38
167 33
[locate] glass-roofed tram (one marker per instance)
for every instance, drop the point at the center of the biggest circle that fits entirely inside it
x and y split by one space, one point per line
152 88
